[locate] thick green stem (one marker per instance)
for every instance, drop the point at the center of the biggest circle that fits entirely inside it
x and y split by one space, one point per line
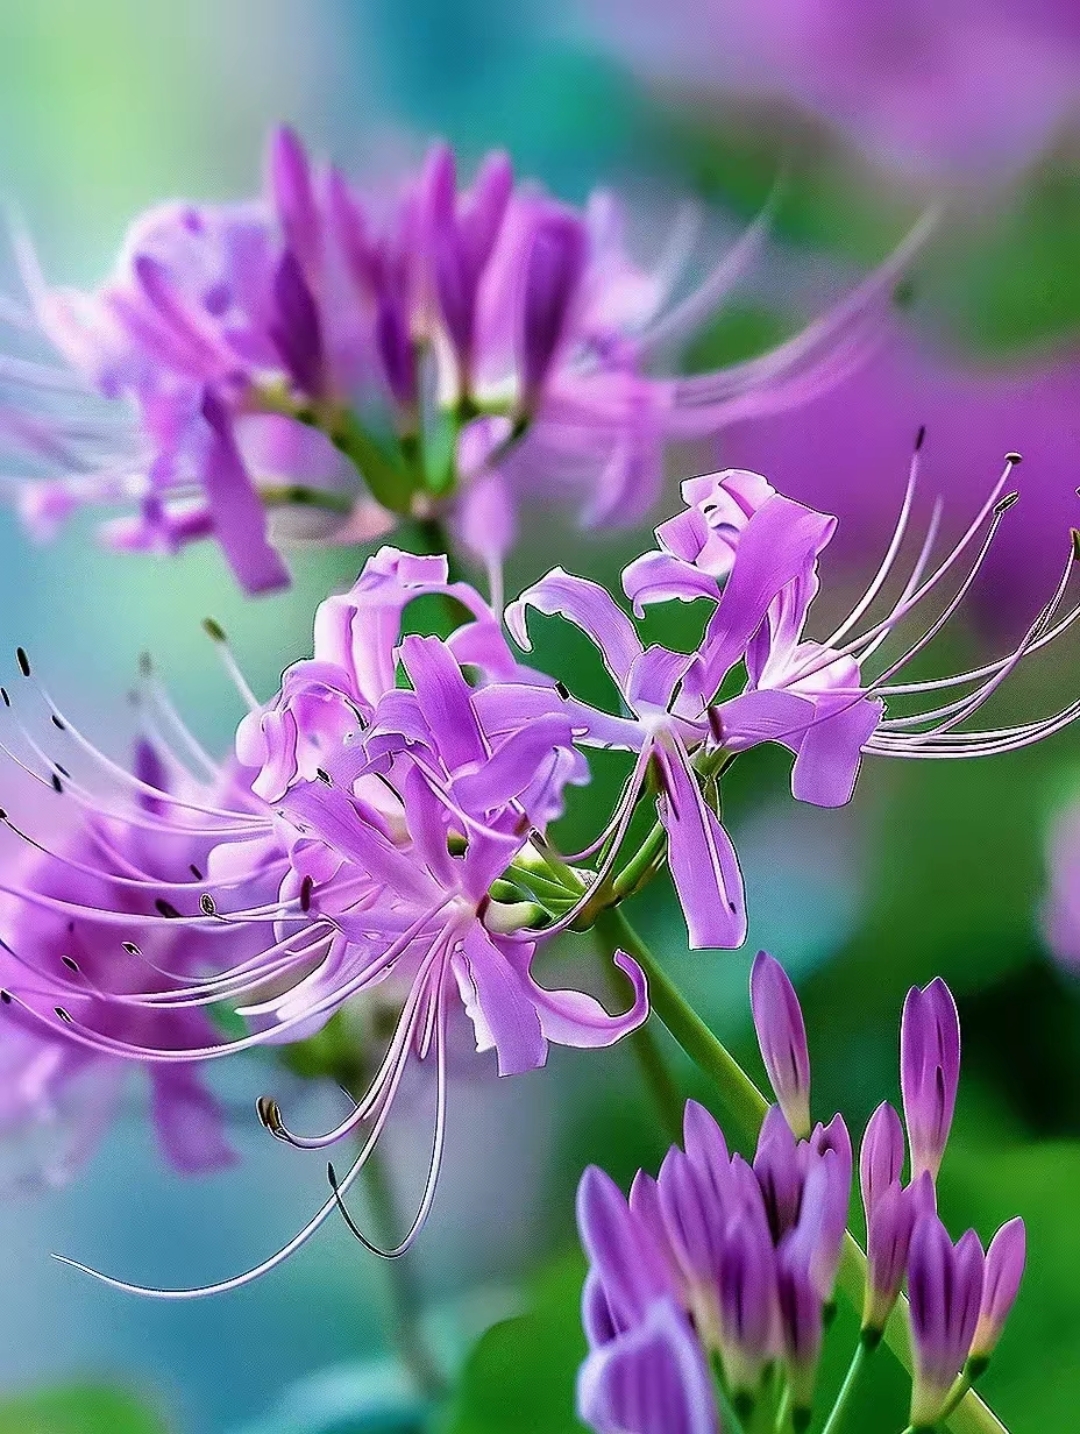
746 1106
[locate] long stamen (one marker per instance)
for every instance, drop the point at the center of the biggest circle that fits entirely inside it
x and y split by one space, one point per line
891 553
216 633
437 1147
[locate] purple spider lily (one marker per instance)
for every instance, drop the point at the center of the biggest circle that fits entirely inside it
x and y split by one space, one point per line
961 92
378 868
273 370
78 956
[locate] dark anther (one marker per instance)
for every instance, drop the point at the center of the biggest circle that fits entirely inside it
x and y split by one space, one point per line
131 948
562 689
1004 504
23 661
70 963
58 722
3 815
306 887
207 905
63 1015
58 785
166 908
1014 458
213 630
4 695
196 873
920 437
146 664
323 776
62 770
269 1113
1076 544
5 996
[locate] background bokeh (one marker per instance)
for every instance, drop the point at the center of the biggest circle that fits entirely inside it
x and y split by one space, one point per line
934 869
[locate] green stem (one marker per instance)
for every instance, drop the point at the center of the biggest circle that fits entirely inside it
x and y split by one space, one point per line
851 1379
405 1302
288 495
658 1080
746 1106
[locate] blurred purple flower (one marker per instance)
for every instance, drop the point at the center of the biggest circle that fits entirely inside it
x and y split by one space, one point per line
965 90
846 451
1061 906
67 946
319 357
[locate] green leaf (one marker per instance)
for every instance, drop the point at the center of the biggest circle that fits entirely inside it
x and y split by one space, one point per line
78 1409
520 1377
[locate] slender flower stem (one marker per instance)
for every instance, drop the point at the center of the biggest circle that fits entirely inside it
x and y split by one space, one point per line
746 1106
405 1302
851 1379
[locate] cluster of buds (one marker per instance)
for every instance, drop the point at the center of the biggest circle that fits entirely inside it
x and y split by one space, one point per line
734 1263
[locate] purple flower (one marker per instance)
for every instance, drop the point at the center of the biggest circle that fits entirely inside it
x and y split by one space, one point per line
748 1254
1061 907
387 865
945 1284
781 1035
846 452
652 1379
889 1224
881 1159
254 371
965 89
929 1072
85 939
1001 1283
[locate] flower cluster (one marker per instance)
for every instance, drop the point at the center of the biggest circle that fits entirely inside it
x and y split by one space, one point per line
386 829
735 1262
331 359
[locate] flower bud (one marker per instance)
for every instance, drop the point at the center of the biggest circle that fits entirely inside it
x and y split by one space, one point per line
1001 1282
929 1072
781 1035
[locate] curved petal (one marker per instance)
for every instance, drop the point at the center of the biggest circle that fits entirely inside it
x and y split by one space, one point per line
572 1018
651 1380
831 750
588 606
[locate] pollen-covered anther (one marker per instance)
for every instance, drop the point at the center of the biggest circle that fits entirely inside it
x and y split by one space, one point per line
269 1113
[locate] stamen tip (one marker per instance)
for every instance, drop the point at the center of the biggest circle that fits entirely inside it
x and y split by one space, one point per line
214 630
269 1113
1004 504
23 661
1075 543
920 437
1014 458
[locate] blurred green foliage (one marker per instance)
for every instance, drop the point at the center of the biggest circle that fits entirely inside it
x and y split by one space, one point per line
78 1409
